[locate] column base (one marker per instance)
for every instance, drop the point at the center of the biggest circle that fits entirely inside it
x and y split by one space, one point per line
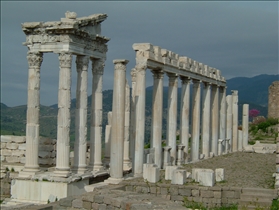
27 174
98 168
113 180
137 175
80 170
60 173
127 165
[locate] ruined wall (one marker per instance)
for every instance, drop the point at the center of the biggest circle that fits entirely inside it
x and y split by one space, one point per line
13 150
273 100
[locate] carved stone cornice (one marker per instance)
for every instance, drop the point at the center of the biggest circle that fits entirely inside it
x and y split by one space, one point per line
82 62
172 79
98 66
35 59
65 60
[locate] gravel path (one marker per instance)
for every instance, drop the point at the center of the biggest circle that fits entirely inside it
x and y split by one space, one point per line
242 169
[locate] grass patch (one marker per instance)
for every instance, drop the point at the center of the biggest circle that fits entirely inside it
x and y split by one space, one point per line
275 205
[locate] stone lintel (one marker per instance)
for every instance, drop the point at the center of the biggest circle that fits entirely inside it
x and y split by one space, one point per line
120 61
143 47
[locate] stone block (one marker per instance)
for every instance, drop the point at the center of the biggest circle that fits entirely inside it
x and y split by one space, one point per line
44 140
18 139
46 161
219 174
47 148
77 203
3 158
6 139
12 159
18 153
178 177
3 145
207 194
177 198
195 172
21 146
44 154
11 145
6 152
173 190
195 193
96 206
99 199
151 173
168 172
206 178
22 159
86 205
217 194
185 192
228 194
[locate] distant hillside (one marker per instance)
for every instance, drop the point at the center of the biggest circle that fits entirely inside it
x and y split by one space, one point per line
253 91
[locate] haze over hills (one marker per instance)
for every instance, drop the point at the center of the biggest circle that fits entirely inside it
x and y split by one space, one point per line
253 91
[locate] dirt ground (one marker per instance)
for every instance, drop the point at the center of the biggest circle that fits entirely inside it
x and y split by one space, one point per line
242 169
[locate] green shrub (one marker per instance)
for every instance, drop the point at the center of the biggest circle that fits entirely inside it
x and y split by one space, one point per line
263 126
272 121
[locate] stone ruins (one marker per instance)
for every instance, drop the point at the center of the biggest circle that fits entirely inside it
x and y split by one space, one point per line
273 100
213 131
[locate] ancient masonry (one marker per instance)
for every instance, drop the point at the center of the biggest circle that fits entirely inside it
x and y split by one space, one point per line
214 115
273 100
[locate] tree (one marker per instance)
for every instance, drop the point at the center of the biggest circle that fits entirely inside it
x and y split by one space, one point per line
254 113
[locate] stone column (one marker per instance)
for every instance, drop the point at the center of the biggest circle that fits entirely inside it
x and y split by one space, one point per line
172 116
32 117
214 119
277 161
132 118
234 120
220 141
96 115
126 159
184 115
222 123
108 141
166 156
206 120
196 120
229 121
80 165
64 116
245 124
180 156
239 141
139 117
157 117
118 120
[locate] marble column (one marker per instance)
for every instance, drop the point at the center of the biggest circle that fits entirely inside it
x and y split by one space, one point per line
180 156
206 120
108 141
222 123
184 115
172 116
214 119
196 120
126 158
118 120
239 141
157 116
245 124
33 110
229 121
140 93
234 120
96 115
64 116
132 118
80 147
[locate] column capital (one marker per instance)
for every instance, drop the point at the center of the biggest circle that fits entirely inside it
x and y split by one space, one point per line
207 84
120 64
185 79
98 66
196 81
141 64
134 74
35 59
158 74
65 59
82 62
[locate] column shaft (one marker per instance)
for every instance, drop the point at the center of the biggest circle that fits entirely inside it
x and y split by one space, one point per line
206 120
196 120
64 115
184 116
139 118
172 116
234 120
33 111
81 115
118 120
96 115
229 120
214 119
245 124
157 117
222 123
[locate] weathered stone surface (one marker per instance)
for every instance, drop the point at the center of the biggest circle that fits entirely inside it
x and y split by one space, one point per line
178 177
168 172
18 139
220 174
206 178
273 100
11 146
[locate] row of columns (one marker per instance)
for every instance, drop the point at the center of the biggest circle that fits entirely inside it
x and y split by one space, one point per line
63 119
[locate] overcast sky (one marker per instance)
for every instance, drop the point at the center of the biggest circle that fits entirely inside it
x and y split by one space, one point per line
239 38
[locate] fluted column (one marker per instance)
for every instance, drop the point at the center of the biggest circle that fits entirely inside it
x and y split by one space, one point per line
132 118
206 120
245 124
172 116
234 120
222 122
118 120
96 115
214 118
229 121
196 120
81 115
184 116
139 117
157 116
33 110
64 115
